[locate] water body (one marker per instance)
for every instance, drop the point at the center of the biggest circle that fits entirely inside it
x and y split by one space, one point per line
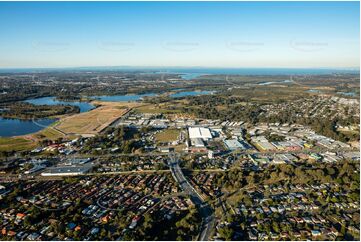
123 98
83 106
184 76
314 91
190 76
349 94
15 127
191 93
192 73
188 73
269 83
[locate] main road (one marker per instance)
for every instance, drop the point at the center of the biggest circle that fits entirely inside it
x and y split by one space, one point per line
204 209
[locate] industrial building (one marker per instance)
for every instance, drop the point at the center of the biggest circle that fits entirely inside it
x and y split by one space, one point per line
197 142
67 171
233 144
262 143
36 168
200 133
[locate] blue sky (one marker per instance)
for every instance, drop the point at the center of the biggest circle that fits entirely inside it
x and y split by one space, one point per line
208 34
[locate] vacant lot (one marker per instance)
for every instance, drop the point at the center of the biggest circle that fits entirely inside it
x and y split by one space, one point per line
167 135
94 121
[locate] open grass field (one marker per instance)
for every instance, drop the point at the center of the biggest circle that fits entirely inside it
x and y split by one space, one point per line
167 135
16 144
48 133
94 121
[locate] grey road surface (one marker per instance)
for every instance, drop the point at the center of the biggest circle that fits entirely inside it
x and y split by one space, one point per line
204 209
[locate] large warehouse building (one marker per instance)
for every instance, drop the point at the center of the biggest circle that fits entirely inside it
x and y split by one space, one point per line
199 133
67 170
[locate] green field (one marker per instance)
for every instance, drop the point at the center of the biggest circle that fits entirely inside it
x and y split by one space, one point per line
167 135
16 144
48 133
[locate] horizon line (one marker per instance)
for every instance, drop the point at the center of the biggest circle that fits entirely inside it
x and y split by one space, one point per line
159 67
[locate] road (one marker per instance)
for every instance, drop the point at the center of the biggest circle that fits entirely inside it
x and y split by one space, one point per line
204 209
235 152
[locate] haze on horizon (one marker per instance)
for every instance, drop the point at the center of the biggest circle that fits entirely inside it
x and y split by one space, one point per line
207 34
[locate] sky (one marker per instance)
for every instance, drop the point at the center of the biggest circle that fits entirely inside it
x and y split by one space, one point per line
202 34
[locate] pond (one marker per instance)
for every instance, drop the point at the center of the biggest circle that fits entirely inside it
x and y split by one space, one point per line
15 127
83 106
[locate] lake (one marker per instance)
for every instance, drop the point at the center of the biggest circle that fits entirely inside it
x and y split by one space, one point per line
191 93
15 127
123 98
83 106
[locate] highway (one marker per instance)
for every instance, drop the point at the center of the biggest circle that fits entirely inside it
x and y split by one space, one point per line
204 209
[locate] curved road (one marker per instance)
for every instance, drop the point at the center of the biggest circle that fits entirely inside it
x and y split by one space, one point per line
204 209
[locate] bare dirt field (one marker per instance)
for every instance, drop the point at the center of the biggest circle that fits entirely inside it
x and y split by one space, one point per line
94 121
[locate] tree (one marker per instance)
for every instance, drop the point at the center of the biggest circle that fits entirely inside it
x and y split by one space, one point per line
226 232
